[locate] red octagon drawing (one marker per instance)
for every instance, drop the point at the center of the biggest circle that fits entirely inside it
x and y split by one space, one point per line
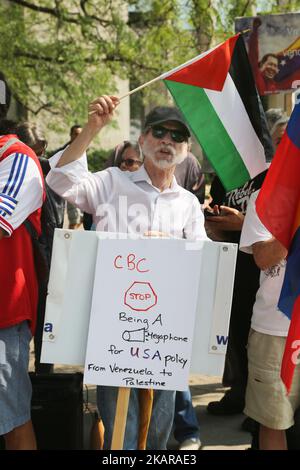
140 296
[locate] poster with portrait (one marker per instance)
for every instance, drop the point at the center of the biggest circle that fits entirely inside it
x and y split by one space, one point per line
273 45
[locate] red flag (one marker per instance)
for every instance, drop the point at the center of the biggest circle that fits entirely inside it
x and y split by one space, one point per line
278 207
211 71
292 348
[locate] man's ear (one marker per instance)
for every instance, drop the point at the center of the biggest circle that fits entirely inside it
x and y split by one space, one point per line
141 139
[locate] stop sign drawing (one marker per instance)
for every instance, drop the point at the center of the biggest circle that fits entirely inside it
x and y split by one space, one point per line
140 296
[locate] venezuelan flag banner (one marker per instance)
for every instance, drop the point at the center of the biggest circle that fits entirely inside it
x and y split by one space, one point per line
278 207
289 65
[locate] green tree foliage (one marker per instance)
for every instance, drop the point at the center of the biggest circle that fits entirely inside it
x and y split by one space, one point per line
97 159
59 54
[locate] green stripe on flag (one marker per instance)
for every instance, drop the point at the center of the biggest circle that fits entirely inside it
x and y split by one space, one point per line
210 133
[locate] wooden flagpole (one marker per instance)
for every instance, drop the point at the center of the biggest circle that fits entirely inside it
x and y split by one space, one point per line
141 87
120 418
145 412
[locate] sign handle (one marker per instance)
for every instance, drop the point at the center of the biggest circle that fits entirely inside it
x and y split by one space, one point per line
120 418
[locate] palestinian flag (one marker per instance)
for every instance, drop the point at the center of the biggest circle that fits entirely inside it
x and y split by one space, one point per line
216 93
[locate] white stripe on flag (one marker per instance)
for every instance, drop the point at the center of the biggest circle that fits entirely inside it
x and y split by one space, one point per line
233 115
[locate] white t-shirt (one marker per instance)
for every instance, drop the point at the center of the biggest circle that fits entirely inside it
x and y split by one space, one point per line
266 317
127 202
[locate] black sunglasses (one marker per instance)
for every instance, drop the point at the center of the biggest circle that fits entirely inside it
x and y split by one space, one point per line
159 132
130 162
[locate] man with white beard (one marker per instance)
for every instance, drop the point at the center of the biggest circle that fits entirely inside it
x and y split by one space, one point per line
148 201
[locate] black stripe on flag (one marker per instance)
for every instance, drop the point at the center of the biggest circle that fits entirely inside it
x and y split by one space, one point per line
241 73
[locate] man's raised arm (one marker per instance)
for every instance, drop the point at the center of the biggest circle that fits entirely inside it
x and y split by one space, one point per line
100 113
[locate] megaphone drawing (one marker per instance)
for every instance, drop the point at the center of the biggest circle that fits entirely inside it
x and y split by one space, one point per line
135 335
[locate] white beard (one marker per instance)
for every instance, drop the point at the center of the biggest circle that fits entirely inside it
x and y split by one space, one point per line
172 158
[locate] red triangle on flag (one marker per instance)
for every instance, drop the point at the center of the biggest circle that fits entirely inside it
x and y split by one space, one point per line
209 71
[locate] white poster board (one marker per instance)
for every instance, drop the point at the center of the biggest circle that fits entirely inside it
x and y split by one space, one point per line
143 313
70 299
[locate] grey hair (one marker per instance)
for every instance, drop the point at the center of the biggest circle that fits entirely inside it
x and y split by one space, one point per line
126 144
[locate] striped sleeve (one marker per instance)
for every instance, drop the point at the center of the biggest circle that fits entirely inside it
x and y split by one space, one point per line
21 190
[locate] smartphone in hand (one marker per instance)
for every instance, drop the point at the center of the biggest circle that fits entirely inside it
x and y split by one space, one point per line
209 213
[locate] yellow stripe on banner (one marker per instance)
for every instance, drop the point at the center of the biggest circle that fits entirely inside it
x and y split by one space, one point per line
292 47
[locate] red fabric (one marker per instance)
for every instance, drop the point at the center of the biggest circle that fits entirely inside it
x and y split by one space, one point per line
287 83
18 282
278 207
292 346
277 204
209 71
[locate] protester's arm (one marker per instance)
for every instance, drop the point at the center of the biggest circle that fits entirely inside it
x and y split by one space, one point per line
253 54
253 46
20 194
253 230
100 113
268 253
69 176
257 240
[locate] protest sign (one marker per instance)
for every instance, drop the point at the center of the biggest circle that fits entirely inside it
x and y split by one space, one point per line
70 292
143 313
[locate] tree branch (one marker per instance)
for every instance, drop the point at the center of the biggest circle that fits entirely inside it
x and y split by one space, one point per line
87 60
46 107
247 4
57 13
28 55
49 11
93 17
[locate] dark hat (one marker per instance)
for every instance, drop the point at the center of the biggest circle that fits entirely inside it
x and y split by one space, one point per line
162 114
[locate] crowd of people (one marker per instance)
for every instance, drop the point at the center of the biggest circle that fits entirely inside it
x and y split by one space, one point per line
160 172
